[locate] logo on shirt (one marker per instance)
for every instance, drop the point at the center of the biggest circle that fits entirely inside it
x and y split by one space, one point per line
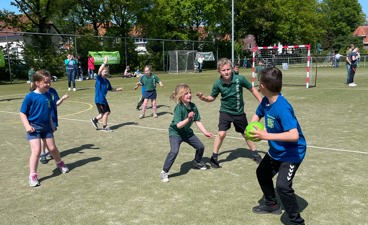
270 122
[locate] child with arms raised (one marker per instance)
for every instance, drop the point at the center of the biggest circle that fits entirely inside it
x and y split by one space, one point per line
102 86
230 86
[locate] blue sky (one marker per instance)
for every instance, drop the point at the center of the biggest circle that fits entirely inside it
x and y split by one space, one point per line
5 4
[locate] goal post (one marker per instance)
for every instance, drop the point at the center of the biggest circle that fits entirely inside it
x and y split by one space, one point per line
293 60
181 61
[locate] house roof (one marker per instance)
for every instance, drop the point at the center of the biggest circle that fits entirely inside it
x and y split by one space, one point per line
362 31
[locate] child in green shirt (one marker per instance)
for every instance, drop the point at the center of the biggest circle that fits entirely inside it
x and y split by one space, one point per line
230 86
185 113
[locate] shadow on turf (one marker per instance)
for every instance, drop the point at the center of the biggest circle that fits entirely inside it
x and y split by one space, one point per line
237 153
77 150
9 99
71 166
234 154
185 167
116 126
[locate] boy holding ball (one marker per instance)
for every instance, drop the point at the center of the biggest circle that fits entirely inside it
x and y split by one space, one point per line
287 147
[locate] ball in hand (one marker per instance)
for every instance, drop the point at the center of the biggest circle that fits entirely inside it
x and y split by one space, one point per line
251 127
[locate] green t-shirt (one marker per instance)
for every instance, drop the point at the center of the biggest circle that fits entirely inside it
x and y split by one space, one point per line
231 94
181 112
150 82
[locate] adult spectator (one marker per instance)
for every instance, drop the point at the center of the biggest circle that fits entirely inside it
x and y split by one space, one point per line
71 66
91 67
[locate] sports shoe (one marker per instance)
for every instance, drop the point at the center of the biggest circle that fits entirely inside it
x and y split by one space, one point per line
106 129
69 89
43 159
164 176
33 180
48 156
94 123
155 115
267 209
214 163
352 85
199 165
74 89
62 167
141 116
257 158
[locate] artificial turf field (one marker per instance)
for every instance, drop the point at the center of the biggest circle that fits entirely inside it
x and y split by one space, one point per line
114 177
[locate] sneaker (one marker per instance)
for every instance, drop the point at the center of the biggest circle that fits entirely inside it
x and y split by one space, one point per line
94 123
62 167
74 89
33 180
69 89
352 85
106 129
49 156
199 165
43 159
155 115
214 163
257 158
141 116
164 176
267 209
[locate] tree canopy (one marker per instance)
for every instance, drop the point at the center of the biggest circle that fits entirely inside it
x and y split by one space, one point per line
270 21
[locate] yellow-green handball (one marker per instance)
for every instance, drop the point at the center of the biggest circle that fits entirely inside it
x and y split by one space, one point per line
251 127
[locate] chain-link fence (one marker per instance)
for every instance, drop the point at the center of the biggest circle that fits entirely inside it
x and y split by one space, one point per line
23 50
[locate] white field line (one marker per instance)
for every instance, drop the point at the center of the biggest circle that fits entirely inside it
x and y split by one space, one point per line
231 137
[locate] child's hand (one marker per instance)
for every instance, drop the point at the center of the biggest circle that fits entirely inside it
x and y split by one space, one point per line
258 134
191 115
30 129
65 97
208 134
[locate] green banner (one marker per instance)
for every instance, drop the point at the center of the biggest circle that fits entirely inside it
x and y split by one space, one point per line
113 57
2 59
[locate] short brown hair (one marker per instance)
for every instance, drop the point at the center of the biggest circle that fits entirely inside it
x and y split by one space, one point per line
271 78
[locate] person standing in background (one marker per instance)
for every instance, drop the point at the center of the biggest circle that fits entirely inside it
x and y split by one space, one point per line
91 67
71 66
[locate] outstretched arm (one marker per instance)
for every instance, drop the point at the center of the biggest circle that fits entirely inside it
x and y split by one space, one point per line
204 98
62 99
203 129
103 65
256 94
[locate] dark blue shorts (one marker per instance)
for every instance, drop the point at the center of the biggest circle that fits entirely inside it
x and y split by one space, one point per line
40 135
150 94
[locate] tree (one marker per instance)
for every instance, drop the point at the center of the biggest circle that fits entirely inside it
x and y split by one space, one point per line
341 19
285 21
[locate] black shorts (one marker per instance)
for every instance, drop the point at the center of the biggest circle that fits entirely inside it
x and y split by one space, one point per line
240 122
103 108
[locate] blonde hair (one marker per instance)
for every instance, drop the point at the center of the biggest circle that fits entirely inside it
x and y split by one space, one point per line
222 62
180 91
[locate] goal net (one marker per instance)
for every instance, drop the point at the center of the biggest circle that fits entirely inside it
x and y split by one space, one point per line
181 61
293 60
